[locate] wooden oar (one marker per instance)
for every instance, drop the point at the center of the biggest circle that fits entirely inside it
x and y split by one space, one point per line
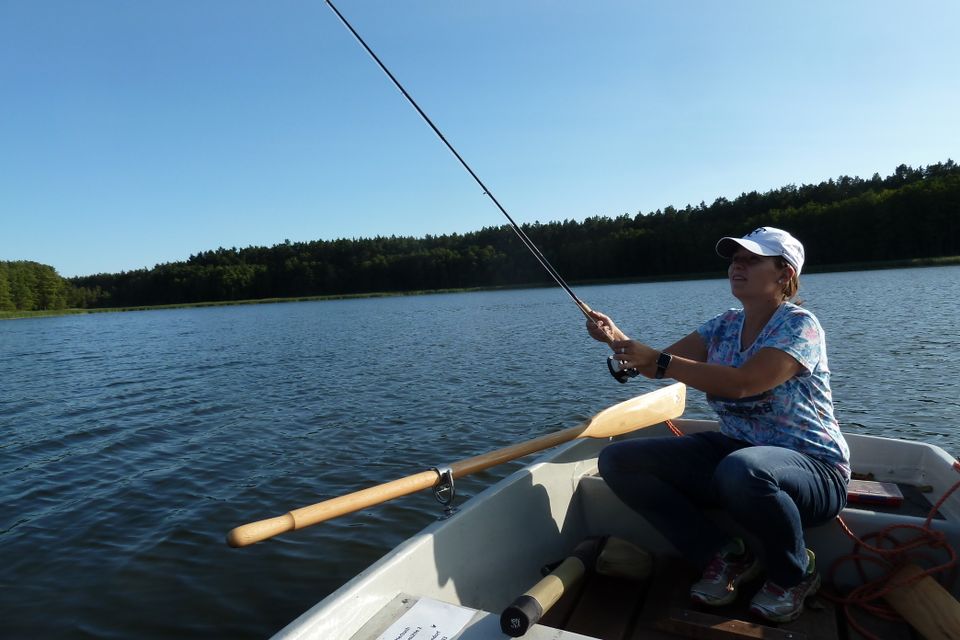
925 604
636 413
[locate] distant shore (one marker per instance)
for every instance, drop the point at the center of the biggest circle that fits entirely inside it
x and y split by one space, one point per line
834 268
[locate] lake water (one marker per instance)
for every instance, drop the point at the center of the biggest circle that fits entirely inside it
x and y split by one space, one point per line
130 443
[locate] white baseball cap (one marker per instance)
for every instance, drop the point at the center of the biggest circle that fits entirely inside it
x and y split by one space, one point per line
765 241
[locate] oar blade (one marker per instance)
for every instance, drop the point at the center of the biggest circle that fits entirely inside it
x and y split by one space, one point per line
637 413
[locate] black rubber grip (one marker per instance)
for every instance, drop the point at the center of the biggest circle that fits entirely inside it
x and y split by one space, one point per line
520 616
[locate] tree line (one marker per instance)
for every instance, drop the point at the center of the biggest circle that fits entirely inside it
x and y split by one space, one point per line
912 213
31 286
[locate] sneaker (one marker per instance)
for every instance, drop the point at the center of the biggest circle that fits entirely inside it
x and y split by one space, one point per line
726 571
777 604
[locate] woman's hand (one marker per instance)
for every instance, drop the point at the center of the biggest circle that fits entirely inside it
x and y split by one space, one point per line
636 355
602 329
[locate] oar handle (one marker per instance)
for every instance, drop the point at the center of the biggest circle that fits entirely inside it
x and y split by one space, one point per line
261 530
254 532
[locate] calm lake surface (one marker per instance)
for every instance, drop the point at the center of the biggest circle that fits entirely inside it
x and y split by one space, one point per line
130 443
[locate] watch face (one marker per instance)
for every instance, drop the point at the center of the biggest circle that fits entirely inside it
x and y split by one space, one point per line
662 363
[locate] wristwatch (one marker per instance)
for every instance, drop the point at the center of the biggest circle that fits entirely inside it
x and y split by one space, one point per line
662 363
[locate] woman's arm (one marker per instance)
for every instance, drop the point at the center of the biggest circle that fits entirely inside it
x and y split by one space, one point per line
767 369
764 371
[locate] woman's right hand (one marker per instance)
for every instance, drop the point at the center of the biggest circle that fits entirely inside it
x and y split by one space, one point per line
602 329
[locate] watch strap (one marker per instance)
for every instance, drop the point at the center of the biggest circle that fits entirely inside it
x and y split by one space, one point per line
663 361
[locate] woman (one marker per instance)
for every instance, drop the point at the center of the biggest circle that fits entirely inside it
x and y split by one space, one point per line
779 462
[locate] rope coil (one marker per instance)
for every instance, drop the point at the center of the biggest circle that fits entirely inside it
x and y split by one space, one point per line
890 553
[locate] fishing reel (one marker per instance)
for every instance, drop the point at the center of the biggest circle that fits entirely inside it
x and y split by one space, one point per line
619 374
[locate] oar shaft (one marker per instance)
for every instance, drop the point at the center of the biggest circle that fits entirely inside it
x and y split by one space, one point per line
492 459
649 409
254 532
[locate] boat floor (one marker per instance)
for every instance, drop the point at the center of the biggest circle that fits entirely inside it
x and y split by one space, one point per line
659 608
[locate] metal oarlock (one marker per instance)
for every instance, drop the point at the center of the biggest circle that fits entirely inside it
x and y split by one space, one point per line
444 491
621 375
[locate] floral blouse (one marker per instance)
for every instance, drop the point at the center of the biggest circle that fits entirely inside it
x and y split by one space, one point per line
797 414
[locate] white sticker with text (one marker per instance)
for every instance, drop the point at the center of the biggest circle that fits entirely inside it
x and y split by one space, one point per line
429 620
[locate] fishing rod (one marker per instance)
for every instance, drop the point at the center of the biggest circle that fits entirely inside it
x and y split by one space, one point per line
621 375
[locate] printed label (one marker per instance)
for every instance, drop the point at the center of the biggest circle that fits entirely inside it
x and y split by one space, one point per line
429 620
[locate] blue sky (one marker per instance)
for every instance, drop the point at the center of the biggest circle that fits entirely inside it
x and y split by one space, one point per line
136 133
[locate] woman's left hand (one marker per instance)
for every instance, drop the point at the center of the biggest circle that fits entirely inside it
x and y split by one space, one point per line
636 355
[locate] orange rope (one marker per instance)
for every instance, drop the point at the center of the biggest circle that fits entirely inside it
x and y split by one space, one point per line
890 554
673 428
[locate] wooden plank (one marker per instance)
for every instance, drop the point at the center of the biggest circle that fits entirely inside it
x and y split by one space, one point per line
925 604
707 626
559 613
607 607
878 628
662 616
670 575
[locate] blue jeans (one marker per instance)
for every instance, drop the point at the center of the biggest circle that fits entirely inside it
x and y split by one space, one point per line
772 492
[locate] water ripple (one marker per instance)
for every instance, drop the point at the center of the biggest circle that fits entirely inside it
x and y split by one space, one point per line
133 442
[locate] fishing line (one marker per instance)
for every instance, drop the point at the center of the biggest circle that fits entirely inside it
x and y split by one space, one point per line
516 228
620 374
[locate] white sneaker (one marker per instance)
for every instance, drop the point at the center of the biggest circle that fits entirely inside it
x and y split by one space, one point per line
778 604
723 575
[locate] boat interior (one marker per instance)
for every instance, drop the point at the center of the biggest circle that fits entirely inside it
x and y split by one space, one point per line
503 541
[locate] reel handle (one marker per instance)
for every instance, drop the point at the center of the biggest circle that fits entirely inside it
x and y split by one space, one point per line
620 375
